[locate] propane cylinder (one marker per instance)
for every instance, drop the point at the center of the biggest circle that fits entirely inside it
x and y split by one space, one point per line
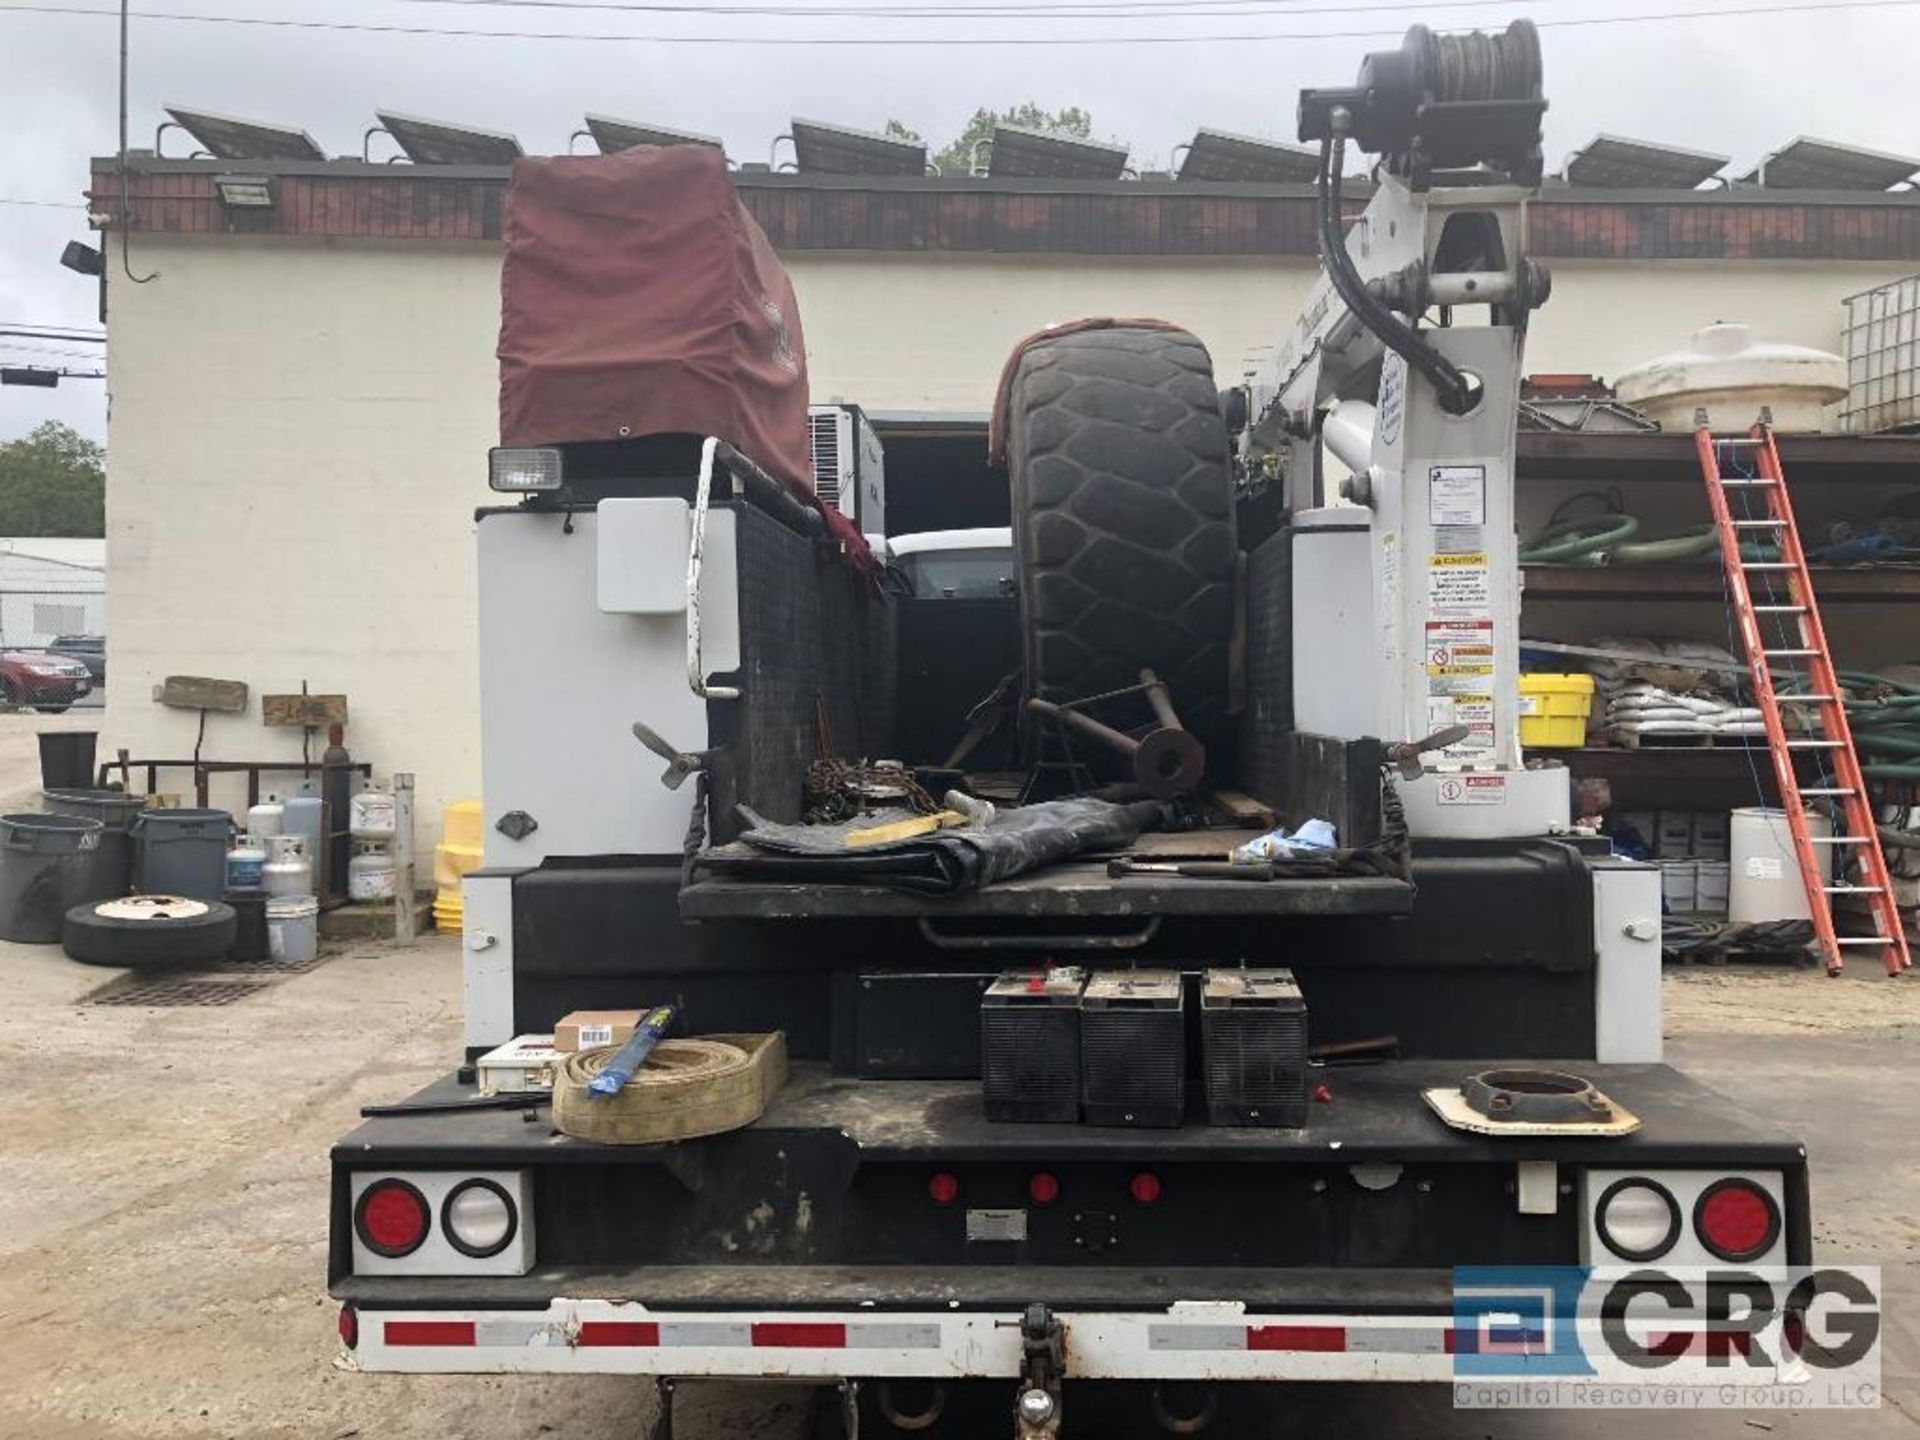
265 819
370 874
370 816
305 817
245 862
288 871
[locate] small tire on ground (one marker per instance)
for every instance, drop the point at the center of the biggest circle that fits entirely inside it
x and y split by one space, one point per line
156 940
1123 524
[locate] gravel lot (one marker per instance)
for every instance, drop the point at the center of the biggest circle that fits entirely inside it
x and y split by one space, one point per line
163 1225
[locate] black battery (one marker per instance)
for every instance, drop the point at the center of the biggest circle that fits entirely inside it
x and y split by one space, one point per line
1030 1045
1133 1048
1253 1041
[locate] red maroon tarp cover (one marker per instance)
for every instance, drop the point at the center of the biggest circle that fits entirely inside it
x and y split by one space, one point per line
638 297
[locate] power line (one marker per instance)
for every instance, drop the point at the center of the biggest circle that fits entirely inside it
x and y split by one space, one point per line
931 41
45 204
986 9
27 329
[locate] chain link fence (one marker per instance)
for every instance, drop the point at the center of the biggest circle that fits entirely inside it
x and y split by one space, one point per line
52 646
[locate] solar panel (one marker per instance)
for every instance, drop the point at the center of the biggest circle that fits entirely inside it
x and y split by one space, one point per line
229 138
1610 162
611 135
1809 164
1217 155
434 142
1038 154
822 149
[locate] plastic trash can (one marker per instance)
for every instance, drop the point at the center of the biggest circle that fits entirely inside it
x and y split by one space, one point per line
45 861
181 852
112 870
66 759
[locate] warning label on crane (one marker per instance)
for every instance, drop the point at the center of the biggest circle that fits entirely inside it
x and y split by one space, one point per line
1459 586
1471 789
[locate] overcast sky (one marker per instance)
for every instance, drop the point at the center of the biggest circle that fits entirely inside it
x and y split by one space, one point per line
1738 85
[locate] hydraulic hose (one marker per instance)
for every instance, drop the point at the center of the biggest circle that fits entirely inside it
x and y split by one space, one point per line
1580 539
1456 394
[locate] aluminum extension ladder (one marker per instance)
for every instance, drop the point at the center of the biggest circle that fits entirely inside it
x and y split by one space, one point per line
1743 468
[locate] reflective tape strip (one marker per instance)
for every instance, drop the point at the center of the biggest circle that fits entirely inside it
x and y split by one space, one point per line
1320 1339
1400 1340
799 1335
429 1332
618 1332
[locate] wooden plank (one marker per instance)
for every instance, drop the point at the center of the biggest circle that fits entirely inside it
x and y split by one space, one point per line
307 712
405 923
199 692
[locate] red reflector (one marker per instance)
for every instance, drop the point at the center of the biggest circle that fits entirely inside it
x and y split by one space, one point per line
800 1335
1323 1338
618 1332
943 1188
1736 1219
429 1332
349 1326
1144 1187
392 1218
1042 1188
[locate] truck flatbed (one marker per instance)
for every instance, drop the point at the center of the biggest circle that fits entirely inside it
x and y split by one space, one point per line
1375 1112
1073 889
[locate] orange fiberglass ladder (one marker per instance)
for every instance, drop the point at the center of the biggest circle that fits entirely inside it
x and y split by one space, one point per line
1749 466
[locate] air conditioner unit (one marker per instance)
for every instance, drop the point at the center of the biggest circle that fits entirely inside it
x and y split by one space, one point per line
848 466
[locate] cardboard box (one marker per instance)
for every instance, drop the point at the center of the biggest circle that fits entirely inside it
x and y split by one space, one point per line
590 1029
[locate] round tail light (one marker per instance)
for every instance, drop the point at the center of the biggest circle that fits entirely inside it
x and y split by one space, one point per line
349 1327
1144 1188
479 1218
1736 1220
1638 1220
1042 1188
391 1218
943 1189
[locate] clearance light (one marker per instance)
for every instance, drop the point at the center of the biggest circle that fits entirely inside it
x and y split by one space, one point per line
943 1189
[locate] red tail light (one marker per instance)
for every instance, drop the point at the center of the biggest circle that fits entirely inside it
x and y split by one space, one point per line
349 1326
392 1218
1042 1188
1144 1187
1736 1220
943 1189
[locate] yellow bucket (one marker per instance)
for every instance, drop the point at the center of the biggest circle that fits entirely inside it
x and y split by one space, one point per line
1554 710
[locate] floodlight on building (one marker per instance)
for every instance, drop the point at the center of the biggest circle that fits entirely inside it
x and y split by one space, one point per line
245 192
82 258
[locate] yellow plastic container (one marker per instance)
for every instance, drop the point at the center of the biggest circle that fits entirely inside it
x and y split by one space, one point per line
1553 711
453 857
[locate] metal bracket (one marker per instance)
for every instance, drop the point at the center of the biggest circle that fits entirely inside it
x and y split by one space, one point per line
703 494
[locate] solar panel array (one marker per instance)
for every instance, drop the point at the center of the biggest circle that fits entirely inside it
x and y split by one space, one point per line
226 137
1020 153
1809 164
435 142
1610 162
612 135
822 149
1220 156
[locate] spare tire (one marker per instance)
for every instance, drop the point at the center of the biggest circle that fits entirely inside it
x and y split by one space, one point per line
1123 531
139 931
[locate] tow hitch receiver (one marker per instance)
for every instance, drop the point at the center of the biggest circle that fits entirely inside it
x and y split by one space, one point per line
1036 1413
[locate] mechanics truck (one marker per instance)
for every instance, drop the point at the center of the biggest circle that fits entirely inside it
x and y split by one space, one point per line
1288 558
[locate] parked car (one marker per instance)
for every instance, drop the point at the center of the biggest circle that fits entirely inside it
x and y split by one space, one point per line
89 650
48 682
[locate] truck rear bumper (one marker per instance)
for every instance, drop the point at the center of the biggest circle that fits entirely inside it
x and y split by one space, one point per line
1188 1340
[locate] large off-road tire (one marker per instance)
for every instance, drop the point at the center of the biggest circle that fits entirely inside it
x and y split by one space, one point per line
1123 520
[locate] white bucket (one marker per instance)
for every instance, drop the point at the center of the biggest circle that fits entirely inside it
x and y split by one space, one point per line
1710 887
293 928
1679 886
1765 882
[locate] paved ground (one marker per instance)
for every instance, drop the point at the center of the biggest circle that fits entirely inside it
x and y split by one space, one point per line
162 1228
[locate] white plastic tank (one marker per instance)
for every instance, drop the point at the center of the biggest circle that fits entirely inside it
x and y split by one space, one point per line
370 815
265 819
1765 882
1729 371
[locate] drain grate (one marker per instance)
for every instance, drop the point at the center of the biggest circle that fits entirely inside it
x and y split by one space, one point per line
265 968
167 991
